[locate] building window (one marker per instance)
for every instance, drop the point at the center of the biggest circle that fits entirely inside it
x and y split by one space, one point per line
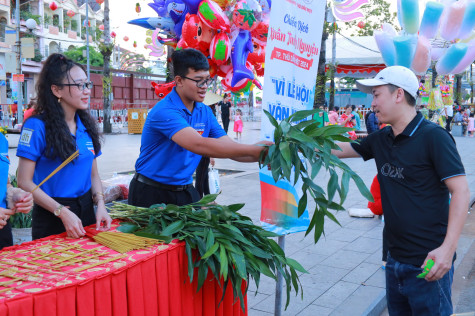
3 24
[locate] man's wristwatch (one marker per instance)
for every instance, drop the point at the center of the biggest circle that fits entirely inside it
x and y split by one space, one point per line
57 211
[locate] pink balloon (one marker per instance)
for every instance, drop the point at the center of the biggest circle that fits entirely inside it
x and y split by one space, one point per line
451 20
421 61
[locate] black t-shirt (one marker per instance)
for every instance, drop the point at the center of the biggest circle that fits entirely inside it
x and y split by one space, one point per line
225 106
411 170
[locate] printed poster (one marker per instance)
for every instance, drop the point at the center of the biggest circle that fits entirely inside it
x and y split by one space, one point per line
292 52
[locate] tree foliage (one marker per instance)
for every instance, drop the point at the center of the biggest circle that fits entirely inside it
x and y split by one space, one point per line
95 58
376 13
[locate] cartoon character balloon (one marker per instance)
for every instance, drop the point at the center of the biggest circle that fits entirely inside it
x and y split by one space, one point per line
247 14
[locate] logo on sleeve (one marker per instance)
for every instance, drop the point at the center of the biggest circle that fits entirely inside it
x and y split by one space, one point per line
25 137
90 147
200 128
5 155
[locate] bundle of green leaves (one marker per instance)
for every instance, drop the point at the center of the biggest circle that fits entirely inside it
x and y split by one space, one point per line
301 148
223 241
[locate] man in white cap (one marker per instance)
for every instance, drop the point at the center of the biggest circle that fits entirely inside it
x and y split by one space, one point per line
418 167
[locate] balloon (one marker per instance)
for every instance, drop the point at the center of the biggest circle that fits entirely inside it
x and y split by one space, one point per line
190 30
386 47
126 38
468 22
437 52
113 34
265 5
450 24
134 44
165 24
192 5
410 15
213 16
172 42
241 48
205 35
100 1
162 89
466 60
259 34
452 57
220 48
181 44
247 14
213 68
431 19
137 8
421 61
361 24
405 48
101 27
258 56
160 7
70 13
223 70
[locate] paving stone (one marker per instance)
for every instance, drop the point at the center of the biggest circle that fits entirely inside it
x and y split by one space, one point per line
376 232
314 310
345 234
365 224
345 259
376 257
378 279
326 246
266 286
362 273
363 244
323 274
255 312
358 302
307 258
336 294
253 299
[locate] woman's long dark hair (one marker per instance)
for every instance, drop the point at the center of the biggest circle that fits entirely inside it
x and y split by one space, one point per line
59 142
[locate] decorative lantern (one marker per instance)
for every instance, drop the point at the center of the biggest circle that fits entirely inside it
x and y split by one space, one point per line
101 27
361 24
135 44
100 1
70 13
126 38
113 34
53 6
137 8
88 23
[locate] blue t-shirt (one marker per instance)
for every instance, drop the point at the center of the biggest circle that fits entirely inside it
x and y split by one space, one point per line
74 180
163 160
4 165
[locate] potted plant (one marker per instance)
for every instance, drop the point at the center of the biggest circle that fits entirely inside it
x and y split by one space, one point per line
47 20
21 223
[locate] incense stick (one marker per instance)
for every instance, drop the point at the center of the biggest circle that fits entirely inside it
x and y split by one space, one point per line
61 166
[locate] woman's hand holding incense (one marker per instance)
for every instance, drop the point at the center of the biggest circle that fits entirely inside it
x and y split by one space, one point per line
23 201
103 220
72 223
4 216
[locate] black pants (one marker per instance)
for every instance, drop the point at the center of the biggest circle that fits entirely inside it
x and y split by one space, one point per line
225 123
44 223
448 121
145 195
201 181
6 238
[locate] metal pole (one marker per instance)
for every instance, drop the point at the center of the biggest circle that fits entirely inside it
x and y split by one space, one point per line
87 41
279 284
18 65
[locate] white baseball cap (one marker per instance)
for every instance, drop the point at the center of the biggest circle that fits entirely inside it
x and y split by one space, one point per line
399 76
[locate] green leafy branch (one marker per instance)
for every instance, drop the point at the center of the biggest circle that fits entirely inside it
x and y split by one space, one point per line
218 239
296 135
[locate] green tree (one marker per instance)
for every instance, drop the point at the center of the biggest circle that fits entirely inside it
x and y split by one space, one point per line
376 13
95 58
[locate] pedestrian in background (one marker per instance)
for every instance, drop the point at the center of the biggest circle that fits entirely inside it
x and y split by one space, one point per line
225 108
238 124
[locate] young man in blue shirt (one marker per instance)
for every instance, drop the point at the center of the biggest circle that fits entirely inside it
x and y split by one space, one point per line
178 131
418 167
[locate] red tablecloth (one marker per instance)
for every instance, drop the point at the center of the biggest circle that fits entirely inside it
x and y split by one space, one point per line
143 282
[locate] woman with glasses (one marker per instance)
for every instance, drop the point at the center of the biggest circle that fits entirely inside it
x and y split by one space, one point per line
177 132
62 125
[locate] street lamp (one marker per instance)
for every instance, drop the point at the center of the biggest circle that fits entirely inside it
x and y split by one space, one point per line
30 24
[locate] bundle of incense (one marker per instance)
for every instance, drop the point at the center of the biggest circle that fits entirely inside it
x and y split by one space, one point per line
61 166
122 242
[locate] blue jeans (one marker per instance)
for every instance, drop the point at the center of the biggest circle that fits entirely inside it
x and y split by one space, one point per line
408 295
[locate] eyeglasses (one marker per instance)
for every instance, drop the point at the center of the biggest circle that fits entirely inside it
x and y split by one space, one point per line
80 86
202 82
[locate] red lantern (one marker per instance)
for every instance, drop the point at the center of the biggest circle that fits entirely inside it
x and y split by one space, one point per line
53 6
361 24
137 8
100 1
135 44
70 13
101 27
113 34
126 38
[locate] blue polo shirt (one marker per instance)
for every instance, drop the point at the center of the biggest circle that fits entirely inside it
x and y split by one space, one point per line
4 165
412 167
74 180
163 160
